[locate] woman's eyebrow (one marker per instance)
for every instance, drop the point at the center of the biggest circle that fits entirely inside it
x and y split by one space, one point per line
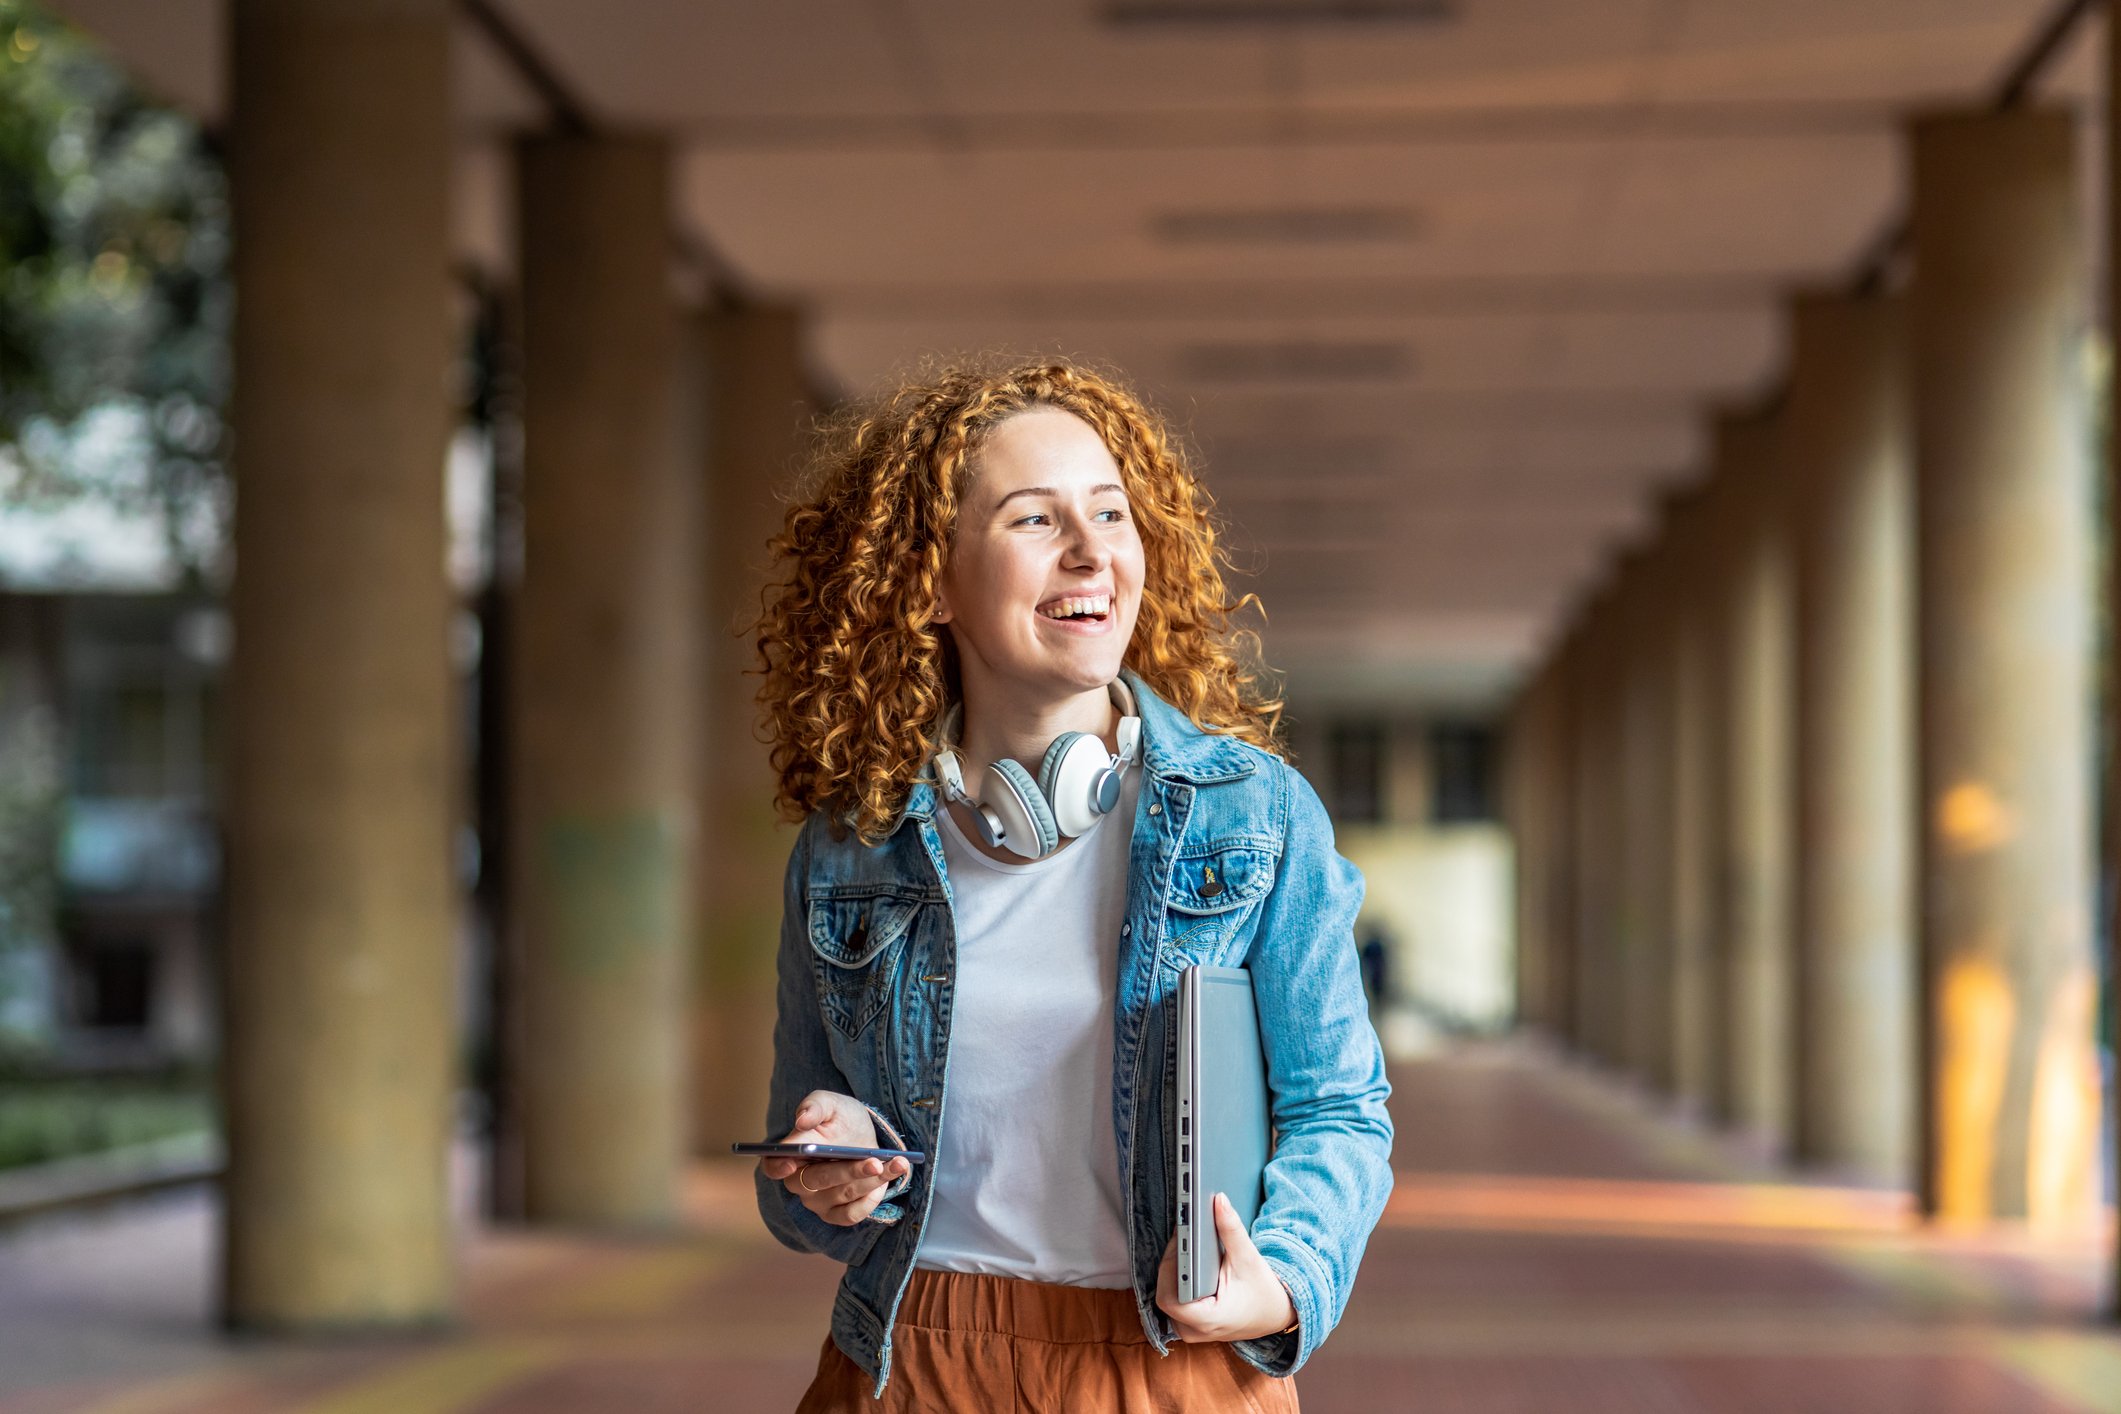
1049 491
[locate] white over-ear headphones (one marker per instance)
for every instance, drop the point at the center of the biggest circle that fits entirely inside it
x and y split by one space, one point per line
1077 783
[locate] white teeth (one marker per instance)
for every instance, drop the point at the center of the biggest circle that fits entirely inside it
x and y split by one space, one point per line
1078 604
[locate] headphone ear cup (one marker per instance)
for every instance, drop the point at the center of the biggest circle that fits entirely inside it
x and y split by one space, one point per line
1069 778
1049 767
1013 796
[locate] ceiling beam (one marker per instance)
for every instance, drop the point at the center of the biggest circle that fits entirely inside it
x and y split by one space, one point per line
1182 298
1280 126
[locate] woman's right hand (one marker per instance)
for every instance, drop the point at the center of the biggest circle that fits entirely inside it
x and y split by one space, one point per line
843 1193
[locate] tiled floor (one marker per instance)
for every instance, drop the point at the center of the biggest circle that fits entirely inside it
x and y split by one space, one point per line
1551 1246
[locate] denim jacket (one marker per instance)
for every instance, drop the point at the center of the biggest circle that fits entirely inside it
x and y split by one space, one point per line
867 951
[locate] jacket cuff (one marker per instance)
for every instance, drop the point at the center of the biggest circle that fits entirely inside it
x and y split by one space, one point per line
796 1227
1285 1352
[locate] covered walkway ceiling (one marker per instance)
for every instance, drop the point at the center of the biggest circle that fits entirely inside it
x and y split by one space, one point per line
1443 294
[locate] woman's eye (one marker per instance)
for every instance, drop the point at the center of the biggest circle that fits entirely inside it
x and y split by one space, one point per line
1034 516
1116 516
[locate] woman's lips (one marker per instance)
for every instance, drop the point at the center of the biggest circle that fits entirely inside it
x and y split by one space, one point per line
1087 626
1084 628
1096 603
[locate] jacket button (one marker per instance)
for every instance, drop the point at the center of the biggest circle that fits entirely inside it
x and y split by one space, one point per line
1126 930
1156 809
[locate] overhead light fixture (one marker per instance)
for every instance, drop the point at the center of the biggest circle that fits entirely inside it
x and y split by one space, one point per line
1300 360
1286 225
1278 12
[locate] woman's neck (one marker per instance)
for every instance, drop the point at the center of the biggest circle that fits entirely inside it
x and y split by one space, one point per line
998 724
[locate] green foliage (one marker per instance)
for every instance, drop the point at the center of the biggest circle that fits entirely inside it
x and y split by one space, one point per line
56 1119
114 287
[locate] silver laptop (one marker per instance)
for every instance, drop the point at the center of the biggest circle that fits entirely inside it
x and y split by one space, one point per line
1223 1116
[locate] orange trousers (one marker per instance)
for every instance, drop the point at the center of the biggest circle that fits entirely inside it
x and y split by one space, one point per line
971 1344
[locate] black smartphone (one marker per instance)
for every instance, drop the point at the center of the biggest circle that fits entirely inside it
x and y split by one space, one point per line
824 1152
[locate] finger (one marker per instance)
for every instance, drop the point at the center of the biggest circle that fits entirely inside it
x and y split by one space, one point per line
777 1169
813 1118
1237 1243
837 1174
1167 1297
848 1214
842 1183
870 1176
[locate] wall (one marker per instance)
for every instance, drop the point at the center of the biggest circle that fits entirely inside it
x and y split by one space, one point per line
1441 894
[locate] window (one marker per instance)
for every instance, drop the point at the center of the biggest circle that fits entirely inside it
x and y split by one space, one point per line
1462 759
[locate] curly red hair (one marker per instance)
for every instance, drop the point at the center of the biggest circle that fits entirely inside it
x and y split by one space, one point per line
857 673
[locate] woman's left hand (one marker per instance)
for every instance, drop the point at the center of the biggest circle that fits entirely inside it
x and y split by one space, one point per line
1249 1299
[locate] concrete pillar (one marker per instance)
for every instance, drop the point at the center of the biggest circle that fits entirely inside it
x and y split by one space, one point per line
1760 786
1520 745
1647 763
1699 769
1600 826
1407 775
1847 447
340 978
1584 828
1557 896
603 690
1529 801
760 410
2110 700
1997 312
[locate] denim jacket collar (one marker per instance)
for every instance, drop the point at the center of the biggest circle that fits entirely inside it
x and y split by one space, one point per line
1173 749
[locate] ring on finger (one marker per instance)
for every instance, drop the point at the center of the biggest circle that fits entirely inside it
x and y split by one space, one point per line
802 1176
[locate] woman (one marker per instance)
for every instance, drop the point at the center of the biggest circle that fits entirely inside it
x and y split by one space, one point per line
1036 784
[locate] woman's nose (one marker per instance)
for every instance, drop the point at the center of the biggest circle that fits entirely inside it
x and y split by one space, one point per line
1085 545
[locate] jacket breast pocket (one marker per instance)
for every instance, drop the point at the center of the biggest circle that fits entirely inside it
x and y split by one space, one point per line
1215 892
856 942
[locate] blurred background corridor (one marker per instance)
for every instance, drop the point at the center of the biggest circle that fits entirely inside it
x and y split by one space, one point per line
1670 440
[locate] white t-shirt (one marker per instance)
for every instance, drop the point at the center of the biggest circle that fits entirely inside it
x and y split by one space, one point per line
1027 1170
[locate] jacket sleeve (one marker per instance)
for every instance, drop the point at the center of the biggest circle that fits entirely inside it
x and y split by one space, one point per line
1331 1170
802 1062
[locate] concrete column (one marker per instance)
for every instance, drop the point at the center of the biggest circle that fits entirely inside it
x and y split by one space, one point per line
1714 579
1997 312
1407 775
1557 901
1520 747
1699 768
1586 827
1760 785
1601 824
605 677
1647 761
1847 444
1529 800
342 766
761 409
2110 700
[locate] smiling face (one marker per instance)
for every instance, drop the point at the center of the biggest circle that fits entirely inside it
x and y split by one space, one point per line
1045 572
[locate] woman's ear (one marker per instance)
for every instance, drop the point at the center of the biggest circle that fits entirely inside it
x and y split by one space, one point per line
942 609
